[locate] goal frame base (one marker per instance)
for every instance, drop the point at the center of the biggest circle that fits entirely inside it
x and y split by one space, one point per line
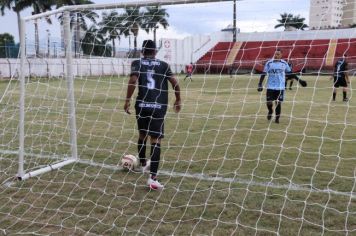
46 169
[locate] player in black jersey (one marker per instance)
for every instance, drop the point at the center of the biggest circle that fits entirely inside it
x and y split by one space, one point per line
341 78
293 76
290 77
152 76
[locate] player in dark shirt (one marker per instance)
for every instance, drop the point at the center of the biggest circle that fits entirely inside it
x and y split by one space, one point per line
290 77
152 76
341 78
293 76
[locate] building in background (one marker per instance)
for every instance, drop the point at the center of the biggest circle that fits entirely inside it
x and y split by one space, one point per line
349 13
326 14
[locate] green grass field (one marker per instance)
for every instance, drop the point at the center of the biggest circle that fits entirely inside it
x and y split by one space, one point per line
226 169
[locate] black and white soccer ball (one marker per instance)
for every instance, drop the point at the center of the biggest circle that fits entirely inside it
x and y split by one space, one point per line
129 162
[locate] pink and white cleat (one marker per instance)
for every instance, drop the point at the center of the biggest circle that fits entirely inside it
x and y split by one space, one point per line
154 184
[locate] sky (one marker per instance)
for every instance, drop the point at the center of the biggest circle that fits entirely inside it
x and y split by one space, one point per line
185 20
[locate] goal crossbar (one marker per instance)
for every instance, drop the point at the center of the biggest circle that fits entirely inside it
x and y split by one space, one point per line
118 5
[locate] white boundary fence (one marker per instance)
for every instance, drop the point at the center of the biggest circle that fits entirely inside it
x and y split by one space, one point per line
177 52
55 67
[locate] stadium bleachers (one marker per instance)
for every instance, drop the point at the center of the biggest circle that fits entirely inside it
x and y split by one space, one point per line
306 55
347 47
218 53
215 59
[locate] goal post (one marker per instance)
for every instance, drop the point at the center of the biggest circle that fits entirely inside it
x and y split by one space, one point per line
21 175
20 172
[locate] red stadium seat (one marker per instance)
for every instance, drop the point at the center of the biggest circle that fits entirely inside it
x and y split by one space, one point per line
307 55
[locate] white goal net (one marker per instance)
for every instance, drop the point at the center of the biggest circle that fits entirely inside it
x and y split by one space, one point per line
226 168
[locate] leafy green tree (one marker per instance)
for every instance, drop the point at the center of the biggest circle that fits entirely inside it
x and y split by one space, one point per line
154 17
6 40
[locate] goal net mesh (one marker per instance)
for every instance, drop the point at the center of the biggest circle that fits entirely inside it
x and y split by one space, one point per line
226 169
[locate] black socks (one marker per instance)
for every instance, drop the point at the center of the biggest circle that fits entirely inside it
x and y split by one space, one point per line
155 157
141 147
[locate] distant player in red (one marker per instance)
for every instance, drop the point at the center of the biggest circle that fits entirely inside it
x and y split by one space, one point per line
189 70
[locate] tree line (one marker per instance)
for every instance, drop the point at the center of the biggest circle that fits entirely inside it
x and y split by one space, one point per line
102 33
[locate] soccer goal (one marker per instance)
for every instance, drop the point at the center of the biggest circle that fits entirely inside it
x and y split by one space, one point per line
77 42
227 166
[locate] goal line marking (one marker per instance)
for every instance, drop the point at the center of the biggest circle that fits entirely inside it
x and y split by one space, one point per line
204 177
196 176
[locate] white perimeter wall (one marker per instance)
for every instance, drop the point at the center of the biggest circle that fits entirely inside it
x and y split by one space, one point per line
51 67
180 52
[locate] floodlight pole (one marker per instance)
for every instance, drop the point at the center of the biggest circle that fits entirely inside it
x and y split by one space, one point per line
234 23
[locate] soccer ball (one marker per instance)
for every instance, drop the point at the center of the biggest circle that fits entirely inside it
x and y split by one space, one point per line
129 162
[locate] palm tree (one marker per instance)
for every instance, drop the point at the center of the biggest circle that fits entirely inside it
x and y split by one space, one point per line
299 22
290 22
38 7
153 18
94 44
19 5
78 19
112 26
284 21
10 4
132 23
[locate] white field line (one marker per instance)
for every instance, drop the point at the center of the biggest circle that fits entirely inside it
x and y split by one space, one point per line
202 177
231 180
